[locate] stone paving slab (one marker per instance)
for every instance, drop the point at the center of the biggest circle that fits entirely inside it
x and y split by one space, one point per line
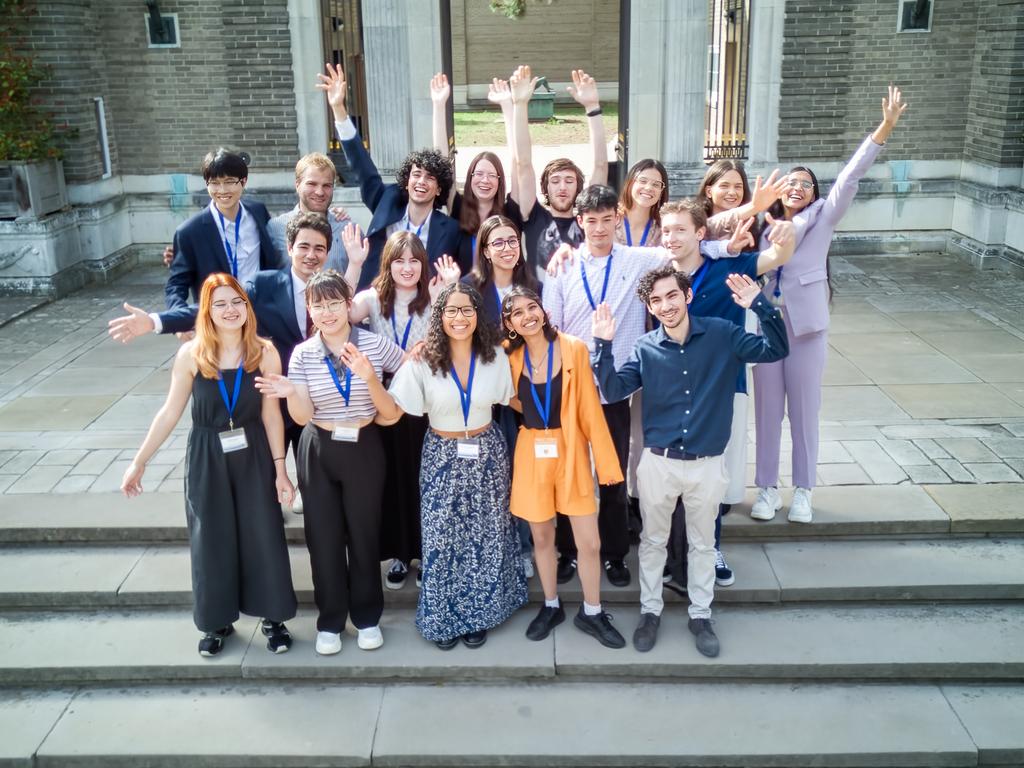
223 727
899 570
912 369
62 576
844 511
946 401
26 717
993 716
681 725
91 381
114 646
982 508
835 641
58 412
507 654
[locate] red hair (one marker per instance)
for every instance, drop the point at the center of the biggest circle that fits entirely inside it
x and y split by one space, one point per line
206 351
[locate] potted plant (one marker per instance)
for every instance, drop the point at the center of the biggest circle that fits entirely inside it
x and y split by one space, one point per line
31 173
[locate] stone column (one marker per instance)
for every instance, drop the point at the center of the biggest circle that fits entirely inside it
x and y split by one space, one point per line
668 51
307 60
764 81
402 43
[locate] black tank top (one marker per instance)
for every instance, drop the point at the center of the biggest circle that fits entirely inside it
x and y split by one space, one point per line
531 416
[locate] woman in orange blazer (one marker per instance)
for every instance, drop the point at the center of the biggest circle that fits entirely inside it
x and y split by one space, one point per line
562 425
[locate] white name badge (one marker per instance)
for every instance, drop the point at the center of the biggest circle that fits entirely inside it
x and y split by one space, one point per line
468 448
233 440
347 433
545 448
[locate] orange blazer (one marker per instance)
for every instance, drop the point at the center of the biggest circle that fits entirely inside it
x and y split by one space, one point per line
582 419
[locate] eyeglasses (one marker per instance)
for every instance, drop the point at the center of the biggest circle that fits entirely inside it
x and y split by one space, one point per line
501 244
453 312
223 184
485 176
642 181
801 183
334 307
221 305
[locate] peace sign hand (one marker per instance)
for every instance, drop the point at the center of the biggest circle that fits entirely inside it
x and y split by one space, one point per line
741 238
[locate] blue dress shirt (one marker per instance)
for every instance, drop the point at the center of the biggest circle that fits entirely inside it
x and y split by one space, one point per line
689 387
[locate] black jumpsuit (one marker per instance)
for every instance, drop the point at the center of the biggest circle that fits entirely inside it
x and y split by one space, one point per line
236 533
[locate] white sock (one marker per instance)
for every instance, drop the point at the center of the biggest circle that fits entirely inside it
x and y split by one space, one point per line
553 602
591 610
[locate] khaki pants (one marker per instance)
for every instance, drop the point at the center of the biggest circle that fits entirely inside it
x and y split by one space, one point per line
701 483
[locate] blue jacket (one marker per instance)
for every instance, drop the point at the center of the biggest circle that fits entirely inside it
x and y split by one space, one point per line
198 253
272 297
387 202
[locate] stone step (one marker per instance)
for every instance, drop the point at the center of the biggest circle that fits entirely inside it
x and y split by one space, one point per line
873 510
797 571
525 724
768 643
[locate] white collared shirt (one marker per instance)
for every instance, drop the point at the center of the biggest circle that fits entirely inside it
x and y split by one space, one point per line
299 300
422 231
248 242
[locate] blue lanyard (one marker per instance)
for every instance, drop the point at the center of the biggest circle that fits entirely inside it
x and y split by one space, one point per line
230 404
394 327
497 300
604 288
629 233
408 224
232 255
778 283
472 250
465 394
545 411
698 277
343 391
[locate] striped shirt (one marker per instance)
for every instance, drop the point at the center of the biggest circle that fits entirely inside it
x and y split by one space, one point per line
570 310
308 366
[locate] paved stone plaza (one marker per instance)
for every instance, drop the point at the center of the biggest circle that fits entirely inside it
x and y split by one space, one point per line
887 633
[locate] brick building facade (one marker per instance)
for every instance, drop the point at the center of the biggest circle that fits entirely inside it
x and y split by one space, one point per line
243 77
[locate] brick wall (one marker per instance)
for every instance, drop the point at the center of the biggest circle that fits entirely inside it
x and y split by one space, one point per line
838 57
229 83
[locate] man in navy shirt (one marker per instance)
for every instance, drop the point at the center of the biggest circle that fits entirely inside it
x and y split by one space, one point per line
692 364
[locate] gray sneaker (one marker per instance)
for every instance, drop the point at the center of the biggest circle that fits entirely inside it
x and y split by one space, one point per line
707 640
646 633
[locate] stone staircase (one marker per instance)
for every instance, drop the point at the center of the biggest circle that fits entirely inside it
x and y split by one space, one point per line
888 633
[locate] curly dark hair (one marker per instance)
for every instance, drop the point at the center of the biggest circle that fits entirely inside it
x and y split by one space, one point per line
434 163
516 292
646 284
438 352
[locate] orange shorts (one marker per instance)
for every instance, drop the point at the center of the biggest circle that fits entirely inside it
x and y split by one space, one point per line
538 486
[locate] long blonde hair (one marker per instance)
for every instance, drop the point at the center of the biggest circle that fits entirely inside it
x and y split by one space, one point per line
206 351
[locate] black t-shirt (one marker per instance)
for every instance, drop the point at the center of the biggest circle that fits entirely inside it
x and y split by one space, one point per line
544 233
467 247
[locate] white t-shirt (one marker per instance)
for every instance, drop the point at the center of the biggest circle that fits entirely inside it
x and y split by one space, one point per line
418 391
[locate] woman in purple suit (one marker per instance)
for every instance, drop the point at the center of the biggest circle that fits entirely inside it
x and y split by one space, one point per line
803 287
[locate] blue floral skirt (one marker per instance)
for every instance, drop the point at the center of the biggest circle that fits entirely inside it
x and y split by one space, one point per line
472 567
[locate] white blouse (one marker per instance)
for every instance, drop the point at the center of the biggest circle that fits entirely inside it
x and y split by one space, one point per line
418 391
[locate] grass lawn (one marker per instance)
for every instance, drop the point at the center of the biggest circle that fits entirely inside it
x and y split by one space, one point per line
483 128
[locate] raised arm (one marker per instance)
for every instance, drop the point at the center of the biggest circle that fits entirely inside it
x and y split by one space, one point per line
615 385
498 92
584 90
357 248
749 347
783 242
440 92
764 194
521 85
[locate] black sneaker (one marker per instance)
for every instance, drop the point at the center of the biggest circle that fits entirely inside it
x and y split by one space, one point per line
213 642
724 576
474 639
566 569
707 640
396 574
666 575
723 509
279 639
599 627
646 633
447 645
617 572
545 621
419 576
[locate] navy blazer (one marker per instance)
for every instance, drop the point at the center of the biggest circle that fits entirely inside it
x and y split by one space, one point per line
198 253
387 203
272 295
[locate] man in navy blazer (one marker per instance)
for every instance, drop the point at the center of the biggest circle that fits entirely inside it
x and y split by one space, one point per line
228 236
423 184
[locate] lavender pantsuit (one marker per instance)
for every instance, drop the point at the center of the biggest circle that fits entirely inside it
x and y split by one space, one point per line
795 382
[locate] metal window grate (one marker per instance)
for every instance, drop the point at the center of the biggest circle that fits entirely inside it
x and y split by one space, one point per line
725 116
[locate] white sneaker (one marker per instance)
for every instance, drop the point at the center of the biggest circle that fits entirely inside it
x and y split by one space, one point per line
800 510
370 638
328 643
767 504
528 566
297 503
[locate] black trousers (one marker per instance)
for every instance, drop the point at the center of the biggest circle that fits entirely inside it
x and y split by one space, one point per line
613 506
342 484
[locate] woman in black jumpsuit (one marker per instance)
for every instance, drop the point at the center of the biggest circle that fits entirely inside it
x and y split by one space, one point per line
233 462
